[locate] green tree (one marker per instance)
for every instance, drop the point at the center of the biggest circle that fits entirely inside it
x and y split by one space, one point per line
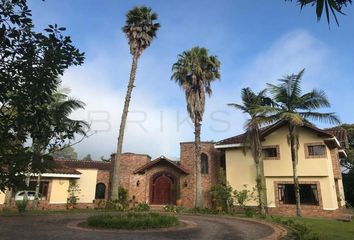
31 63
140 29
329 6
57 128
250 102
193 72
66 153
296 109
87 157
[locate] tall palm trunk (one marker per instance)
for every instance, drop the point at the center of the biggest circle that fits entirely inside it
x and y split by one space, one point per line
294 159
260 187
115 180
198 190
256 148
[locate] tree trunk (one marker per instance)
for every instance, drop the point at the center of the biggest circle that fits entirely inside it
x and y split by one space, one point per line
260 187
36 196
115 180
256 150
294 159
8 198
198 187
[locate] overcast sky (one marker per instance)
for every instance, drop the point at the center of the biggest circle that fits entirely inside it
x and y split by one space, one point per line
256 41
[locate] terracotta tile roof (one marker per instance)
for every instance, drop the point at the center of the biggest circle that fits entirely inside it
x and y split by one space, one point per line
59 167
86 164
160 160
341 135
239 139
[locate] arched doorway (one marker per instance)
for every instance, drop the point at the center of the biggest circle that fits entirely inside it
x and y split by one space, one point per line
163 189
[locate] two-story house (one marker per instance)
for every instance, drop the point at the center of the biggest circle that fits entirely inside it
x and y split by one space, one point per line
319 151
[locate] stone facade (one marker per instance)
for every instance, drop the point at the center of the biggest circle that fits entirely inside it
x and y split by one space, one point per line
104 176
139 184
187 154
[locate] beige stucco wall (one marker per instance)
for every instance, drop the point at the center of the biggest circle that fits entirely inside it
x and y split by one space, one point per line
306 167
59 191
87 185
2 197
240 168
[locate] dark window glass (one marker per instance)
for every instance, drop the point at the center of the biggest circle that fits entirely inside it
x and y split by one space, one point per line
308 194
204 164
270 152
316 150
223 162
100 191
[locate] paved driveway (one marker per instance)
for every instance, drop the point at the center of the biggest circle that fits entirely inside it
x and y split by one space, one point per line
56 227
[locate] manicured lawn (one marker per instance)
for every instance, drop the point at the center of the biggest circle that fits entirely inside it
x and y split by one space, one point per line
330 229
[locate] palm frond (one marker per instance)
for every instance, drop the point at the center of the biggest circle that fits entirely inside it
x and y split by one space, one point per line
330 118
314 100
238 107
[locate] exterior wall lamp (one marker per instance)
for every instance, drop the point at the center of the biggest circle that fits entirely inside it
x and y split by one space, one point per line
185 184
138 183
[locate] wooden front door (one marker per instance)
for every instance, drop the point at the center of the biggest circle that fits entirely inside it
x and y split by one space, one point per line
162 190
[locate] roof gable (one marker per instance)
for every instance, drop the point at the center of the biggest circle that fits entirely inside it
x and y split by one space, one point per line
238 140
160 160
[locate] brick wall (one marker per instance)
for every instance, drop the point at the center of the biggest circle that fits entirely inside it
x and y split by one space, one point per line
309 211
129 163
103 176
335 163
187 158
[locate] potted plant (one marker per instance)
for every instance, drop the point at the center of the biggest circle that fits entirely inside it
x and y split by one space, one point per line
178 195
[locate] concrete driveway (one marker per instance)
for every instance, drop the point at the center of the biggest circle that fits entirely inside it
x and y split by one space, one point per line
58 227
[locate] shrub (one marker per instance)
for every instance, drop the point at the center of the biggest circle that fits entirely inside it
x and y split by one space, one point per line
21 205
249 211
203 210
123 196
122 204
73 191
173 209
298 230
142 207
241 197
221 196
132 221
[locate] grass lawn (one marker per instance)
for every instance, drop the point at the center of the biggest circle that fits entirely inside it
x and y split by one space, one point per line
329 229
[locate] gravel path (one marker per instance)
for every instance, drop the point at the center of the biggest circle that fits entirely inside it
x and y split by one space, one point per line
50 227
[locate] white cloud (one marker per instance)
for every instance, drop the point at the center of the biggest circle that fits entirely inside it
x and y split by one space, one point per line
157 120
289 54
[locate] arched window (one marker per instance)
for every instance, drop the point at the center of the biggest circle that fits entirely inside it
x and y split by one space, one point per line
204 165
100 191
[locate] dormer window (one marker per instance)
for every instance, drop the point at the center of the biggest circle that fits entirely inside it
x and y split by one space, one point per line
271 152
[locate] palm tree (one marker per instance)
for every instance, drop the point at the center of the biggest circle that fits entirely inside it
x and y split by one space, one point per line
60 108
252 138
140 29
193 72
333 6
296 109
